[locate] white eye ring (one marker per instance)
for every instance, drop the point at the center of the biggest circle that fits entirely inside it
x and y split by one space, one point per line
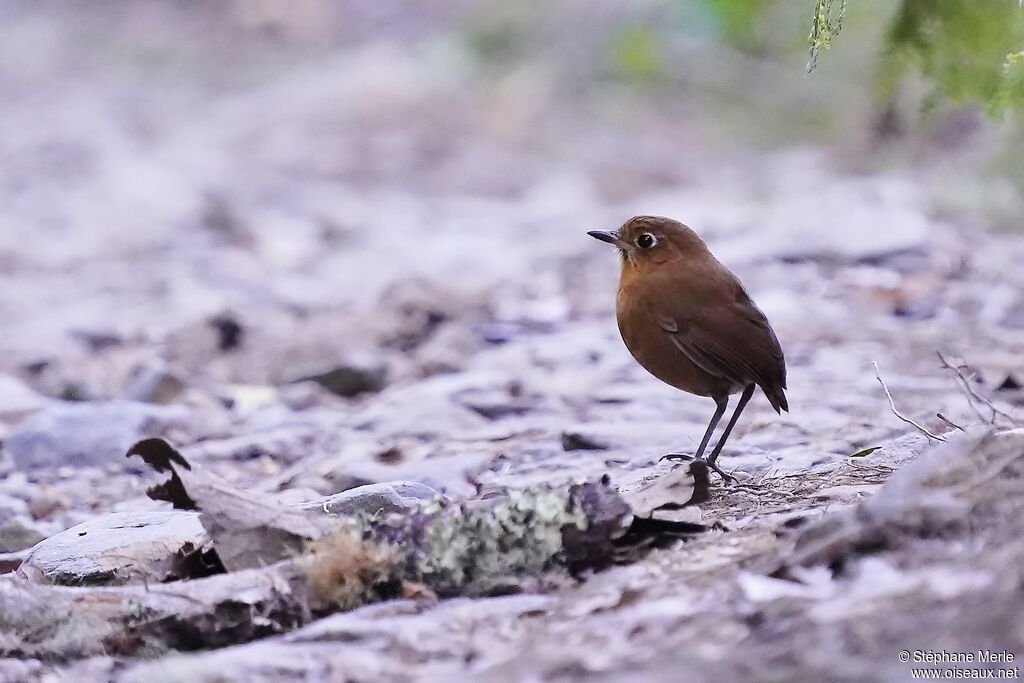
646 240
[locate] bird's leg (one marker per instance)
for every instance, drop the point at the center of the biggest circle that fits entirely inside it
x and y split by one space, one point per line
744 399
722 403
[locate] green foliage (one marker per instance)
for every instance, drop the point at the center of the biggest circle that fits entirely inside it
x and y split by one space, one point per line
637 54
1009 94
736 19
824 28
969 51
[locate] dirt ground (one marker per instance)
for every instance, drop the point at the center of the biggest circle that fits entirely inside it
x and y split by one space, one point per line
185 244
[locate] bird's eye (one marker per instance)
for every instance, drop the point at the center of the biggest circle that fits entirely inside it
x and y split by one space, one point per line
646 241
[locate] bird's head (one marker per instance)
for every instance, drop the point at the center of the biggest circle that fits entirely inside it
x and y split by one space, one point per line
646 241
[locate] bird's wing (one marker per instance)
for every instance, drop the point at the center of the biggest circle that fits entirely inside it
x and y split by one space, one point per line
730 339
699 348
756 316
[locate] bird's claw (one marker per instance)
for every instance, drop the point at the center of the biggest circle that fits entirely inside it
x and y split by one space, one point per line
726 477
682 457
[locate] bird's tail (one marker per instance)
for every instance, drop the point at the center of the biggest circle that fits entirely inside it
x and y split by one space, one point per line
777 397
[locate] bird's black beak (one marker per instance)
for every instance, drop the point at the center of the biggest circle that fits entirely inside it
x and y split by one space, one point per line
609 236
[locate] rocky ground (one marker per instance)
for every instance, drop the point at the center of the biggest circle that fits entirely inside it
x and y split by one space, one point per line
334 276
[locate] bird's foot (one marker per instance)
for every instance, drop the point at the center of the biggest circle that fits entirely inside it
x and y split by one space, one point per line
710 465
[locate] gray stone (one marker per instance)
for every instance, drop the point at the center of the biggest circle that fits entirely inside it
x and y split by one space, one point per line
11 561
11 506
350 379
17 533
17 530
21 670
14 485
86 434
660 491
579 441
117 549
17 400
155 383
399 496
449 474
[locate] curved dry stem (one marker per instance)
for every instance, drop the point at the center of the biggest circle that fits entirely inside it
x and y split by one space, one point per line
897 413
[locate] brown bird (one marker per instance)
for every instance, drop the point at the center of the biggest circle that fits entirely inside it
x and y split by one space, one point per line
688 321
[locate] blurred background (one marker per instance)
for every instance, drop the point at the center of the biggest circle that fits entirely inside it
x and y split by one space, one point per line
161 156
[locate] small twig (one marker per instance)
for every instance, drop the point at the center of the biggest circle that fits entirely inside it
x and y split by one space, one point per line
747 488
963 384
972 394
952 424
897 413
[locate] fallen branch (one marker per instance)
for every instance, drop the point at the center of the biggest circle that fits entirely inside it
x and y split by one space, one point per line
60 622
313 564
451 550
897 413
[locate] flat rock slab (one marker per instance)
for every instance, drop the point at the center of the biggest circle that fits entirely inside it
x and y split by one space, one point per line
87 434
117 549
131 547
399 496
